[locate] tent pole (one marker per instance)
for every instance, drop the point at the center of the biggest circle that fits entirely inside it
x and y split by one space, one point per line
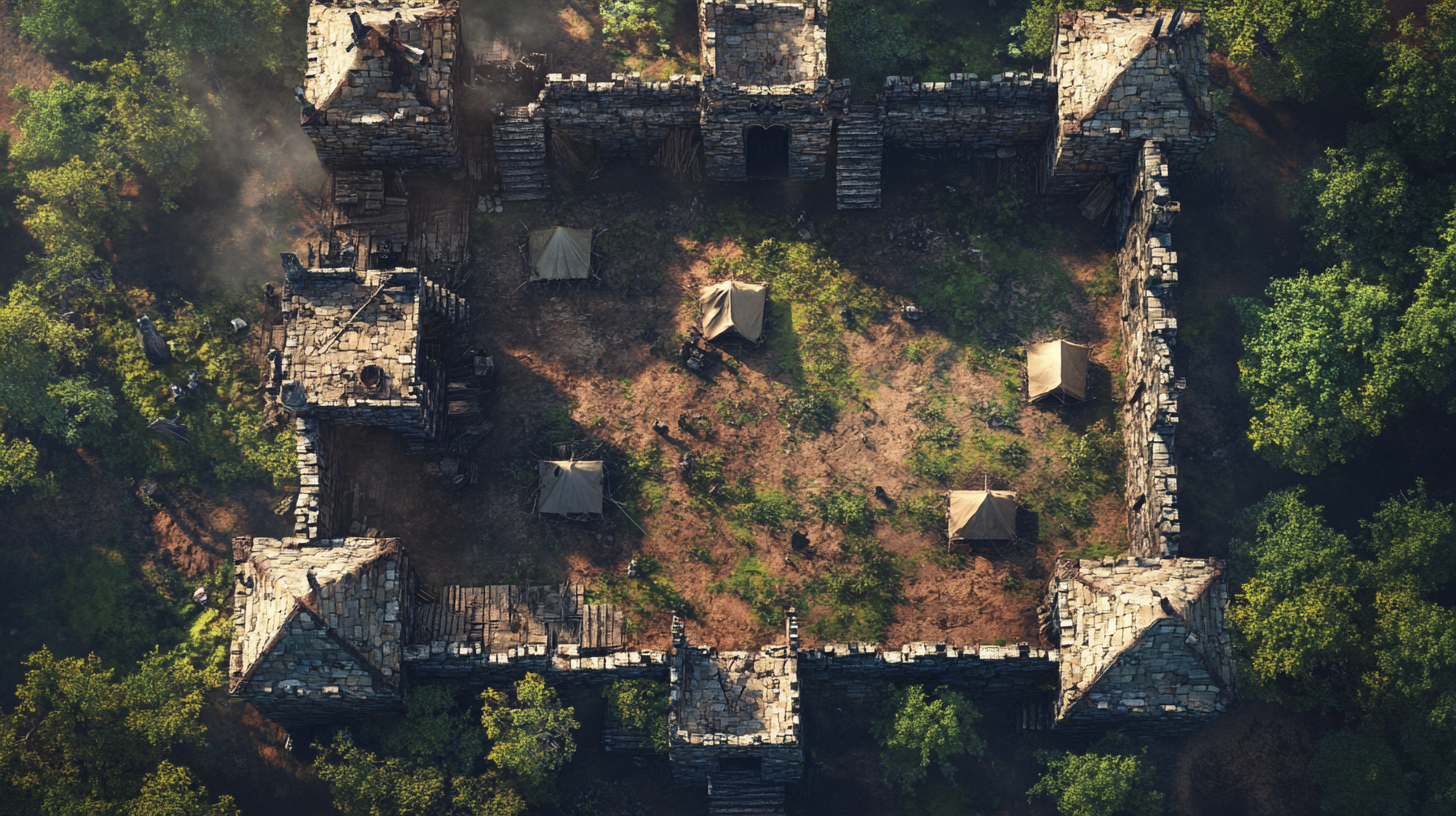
623 508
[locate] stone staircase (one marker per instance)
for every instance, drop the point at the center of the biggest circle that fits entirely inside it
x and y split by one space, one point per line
861 153
743 794
520 152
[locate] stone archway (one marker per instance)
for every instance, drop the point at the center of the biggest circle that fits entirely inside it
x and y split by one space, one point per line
766 151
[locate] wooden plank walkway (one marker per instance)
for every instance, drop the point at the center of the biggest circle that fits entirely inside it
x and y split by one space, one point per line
500 617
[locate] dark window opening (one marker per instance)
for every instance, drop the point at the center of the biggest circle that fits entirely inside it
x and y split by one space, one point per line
748 765
768 151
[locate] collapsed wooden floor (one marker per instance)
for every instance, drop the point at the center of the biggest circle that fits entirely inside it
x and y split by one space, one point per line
501 617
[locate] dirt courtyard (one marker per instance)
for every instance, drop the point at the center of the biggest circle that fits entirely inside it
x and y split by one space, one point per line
597 361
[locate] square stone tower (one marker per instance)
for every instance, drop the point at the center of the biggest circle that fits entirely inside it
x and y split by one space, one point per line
1123 78
380 83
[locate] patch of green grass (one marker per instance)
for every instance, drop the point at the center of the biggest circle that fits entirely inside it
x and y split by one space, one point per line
846 509
1105 281
856 598
1093 469
739 412
699 552
773 509
641 486
924 511
651 593
766 594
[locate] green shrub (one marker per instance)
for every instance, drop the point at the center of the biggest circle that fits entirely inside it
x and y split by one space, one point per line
767 595
915 731
640 705
650 593
858 595
846 509
1108 780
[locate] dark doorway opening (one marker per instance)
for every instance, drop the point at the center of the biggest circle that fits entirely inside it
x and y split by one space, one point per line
740 765
768 151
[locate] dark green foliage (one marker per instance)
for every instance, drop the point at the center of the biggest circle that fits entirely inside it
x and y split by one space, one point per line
651 593
645 22
1310 368
766 594
1108 780
1416 95
1315 49
640 705
773 509
1091 467
926 39
1360 774
249 33
1297 622
82 740
532 735
916 730
426 763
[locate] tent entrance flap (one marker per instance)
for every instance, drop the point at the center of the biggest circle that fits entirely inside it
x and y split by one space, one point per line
560 253
1056 368
732 309
570 487
982 515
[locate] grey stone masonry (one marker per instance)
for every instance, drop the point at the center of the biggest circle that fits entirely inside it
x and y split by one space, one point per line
1000 673
520 154
1143 642
763 43
728 705
808 110
338 322
623 118
861 156
1148 268
386 98
986 116
319 628
313 512
1118 85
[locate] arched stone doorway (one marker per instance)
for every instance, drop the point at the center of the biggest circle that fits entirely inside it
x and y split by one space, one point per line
767 151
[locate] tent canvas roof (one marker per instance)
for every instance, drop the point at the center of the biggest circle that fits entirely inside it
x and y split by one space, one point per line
1056 365
982 515
570 487
560 253
732 306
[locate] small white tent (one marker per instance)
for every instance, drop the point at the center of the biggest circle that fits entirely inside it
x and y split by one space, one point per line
981 515
560 253
733 309
1057 368
570 487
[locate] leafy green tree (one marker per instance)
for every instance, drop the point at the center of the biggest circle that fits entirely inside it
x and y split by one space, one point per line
1108 780
71 210
20 467
363 783
1416 95
36 346
433 733
640 705
250 32
1297 620
916 731
1309 367
82 741
531 733
1359 774
649 22
1364 209
170 791
1302 49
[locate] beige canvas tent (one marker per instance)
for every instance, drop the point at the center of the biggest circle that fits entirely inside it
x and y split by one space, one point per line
732 309
570 487
560 253
1057 368
982 515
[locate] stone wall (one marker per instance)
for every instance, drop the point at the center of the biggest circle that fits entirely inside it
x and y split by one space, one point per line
807 109
624 118
313 514
1148 268
763 43
999 673
968 112
389 100
467 663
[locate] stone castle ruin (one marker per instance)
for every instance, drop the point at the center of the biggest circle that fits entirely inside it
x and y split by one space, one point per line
329 629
